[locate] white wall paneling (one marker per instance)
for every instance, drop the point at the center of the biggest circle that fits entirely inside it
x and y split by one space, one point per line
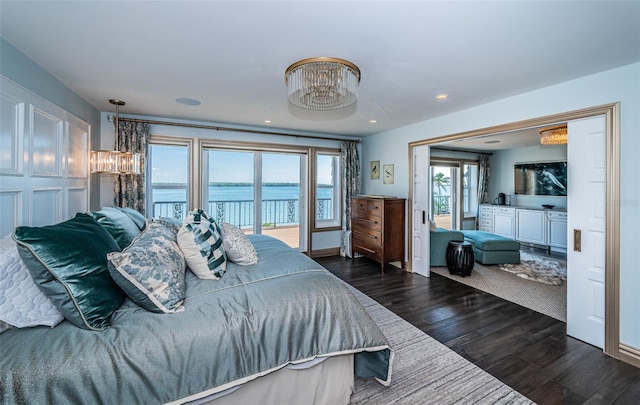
44 174
11 126
45 205
45 143
11 209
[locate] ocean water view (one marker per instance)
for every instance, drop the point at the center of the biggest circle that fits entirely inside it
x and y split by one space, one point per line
177 192
234 203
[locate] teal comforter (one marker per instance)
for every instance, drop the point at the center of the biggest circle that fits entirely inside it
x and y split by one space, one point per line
255 320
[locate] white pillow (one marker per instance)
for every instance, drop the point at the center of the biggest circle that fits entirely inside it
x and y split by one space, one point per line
432 225
22 304
237 246
201 244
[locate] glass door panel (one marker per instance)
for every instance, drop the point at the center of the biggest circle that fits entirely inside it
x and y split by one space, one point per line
282 193
228 187
445 196
168 180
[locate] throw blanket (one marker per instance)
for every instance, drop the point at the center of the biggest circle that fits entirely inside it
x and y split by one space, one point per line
255 320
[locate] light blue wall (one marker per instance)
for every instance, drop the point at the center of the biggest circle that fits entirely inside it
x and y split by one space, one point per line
502 174
18 68
617 85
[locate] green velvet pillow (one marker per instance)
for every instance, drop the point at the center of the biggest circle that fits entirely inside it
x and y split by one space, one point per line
135 216
118 224
68 262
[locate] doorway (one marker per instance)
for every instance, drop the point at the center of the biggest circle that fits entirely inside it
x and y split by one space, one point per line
611 113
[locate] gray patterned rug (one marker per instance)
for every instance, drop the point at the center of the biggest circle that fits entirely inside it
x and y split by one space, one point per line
425 371
539 269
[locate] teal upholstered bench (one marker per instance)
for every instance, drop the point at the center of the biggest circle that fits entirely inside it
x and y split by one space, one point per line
439 240
490 248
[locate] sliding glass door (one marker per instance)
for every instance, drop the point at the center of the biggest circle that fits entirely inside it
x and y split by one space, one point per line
444 180
260 192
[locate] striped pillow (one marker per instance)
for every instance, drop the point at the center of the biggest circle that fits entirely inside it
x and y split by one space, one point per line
200 240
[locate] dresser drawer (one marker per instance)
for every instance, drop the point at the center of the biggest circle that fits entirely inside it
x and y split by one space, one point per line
486 214
367 222
367 207
371 251
485 222
367 236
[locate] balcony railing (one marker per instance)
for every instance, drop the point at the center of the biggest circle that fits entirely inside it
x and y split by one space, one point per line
241 212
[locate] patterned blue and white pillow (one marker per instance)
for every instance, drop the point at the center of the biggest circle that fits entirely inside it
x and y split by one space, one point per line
200 240
151 271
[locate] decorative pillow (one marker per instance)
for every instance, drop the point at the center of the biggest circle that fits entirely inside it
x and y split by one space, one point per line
237 246
151 270
200 241
118 224
22 304
171 223
4 326
432 225
135 216
68 261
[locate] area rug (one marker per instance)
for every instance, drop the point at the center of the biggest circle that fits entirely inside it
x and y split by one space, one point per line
547 299
538 269
425 371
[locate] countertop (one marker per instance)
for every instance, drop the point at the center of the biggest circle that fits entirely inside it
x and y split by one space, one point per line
556 209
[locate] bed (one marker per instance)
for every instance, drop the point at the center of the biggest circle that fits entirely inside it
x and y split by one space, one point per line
284 330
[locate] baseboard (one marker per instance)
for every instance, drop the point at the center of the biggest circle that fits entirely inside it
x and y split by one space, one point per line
326 252
629 354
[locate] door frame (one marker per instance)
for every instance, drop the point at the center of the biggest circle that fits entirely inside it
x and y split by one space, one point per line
611 112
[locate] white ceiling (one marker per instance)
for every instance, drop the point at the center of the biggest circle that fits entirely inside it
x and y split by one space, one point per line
231 55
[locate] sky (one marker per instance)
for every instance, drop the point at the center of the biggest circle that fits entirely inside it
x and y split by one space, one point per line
169 165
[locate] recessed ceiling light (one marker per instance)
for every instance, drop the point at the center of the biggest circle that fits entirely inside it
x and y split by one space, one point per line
491 142
373 121
267 121
188 101
442 96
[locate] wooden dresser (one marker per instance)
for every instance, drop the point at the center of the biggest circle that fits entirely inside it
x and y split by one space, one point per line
377 228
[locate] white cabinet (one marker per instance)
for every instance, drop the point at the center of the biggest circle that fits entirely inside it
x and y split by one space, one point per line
485 222
531 226
557 230
504 221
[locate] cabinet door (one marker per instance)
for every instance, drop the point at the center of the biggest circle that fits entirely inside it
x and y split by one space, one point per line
504 224
531 226
558 233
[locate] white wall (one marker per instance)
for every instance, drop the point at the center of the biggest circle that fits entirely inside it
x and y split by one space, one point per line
617 85
502 173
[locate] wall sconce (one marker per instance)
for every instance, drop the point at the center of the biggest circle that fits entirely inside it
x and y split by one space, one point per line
114 161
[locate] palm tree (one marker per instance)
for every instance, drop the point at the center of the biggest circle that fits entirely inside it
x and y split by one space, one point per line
440 180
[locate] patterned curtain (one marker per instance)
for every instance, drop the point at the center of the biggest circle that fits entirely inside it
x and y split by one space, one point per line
483 184
129 188
351 180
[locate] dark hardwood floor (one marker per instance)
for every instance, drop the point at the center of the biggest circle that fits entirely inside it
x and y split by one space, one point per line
526 350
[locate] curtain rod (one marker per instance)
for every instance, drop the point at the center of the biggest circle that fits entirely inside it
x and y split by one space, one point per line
217 128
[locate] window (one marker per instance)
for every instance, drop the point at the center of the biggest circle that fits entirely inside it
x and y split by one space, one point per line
328 204
168 181
470 189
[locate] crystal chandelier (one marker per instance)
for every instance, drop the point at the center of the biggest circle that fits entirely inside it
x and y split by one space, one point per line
322 83
114 161
554 136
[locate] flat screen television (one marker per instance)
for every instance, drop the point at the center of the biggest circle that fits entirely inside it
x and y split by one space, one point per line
541 178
